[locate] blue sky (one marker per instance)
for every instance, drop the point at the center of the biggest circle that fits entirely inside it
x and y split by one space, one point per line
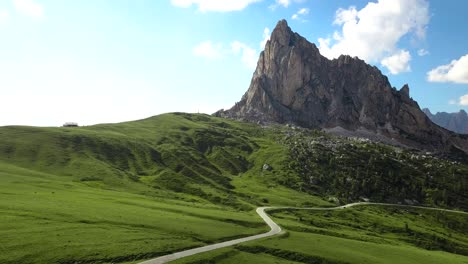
100 61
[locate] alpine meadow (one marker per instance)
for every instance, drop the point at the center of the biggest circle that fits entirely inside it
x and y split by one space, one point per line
319 157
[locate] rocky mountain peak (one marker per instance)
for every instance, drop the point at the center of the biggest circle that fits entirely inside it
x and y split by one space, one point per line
293 83
283 36
282 33
457 122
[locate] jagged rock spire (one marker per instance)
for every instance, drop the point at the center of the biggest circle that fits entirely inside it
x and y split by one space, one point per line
405 90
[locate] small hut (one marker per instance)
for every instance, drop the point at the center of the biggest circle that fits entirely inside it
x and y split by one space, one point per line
70 124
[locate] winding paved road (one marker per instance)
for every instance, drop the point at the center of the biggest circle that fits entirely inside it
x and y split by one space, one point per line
274 230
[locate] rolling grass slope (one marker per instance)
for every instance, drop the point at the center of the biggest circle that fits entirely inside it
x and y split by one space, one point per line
120 192
176 153
48 220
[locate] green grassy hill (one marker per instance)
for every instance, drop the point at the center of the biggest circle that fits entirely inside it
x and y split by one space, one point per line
194 155
119 192
115 193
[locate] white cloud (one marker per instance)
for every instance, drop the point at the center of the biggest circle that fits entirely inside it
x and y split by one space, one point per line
463 100
266 37
215 51
29 8
423 52
303 11
373 32
456 71
284 3
215 5
208 50
345 15
249 55
299 14
398 62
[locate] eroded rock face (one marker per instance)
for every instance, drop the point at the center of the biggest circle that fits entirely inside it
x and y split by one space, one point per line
294 83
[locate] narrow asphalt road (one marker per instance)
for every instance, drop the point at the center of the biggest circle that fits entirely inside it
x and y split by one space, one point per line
274 230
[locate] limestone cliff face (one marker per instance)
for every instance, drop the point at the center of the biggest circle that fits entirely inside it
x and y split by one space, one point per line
294 83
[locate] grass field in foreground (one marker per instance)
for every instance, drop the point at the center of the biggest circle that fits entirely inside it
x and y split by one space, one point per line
116 193
46 220
360 235
130 191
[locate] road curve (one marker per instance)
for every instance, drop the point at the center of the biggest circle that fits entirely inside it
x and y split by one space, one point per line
274 230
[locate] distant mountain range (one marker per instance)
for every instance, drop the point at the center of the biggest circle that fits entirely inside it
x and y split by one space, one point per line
457 122
294 84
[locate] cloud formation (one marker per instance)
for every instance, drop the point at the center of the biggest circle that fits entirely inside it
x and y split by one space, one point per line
29 8
215 5
398 62
423 52
284 3
299 14
463 100
208 50
248 55
215 51
373 32
455 72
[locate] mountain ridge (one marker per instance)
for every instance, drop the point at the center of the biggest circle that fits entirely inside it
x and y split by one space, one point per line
294 83
456 122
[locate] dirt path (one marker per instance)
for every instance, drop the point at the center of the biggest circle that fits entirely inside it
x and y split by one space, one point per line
274 230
